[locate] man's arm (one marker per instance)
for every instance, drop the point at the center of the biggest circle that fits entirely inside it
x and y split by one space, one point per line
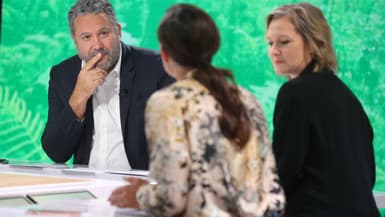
65 127
89 78
63 131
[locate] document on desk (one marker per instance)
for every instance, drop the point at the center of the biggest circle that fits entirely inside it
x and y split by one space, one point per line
80 170
26 165
85 171
90 172
143 173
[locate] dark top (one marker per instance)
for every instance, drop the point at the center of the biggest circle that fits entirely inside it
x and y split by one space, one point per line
141 74
323 146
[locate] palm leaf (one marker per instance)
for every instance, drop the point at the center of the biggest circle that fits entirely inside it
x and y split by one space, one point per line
21 130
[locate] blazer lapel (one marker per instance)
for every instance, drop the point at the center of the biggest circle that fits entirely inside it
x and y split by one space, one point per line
127 76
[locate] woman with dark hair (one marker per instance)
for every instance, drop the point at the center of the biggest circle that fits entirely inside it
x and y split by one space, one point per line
210 150
322 136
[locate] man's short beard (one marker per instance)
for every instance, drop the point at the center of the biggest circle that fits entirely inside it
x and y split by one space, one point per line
113 56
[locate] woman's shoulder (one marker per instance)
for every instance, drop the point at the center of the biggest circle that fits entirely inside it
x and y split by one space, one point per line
312 78
310 85
249 99
254 109
180 90
187 86
297 87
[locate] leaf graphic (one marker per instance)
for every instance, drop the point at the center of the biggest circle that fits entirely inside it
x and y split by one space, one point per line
21 130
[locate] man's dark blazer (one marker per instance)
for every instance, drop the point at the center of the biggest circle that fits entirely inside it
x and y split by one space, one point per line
141 74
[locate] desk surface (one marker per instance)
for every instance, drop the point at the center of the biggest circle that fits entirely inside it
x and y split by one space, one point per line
71 208
20 180
54 186
15 180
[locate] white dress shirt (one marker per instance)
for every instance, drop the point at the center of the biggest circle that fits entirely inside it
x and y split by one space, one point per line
108 150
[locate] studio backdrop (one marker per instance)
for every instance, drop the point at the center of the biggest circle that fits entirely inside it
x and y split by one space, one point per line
35 35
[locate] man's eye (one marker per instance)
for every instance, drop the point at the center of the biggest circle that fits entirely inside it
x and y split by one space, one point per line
285 42
104 34
85 37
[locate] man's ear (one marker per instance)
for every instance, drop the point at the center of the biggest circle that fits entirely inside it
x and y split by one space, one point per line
119 30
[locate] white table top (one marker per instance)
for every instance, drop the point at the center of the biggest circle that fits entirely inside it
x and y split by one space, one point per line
54 181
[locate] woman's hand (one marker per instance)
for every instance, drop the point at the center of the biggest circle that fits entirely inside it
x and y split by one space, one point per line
125 196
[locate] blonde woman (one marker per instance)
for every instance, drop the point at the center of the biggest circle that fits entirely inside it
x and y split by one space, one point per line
322 137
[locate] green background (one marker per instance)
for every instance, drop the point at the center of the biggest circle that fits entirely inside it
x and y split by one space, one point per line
35 35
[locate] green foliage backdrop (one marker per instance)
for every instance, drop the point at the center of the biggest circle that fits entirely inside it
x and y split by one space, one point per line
35 36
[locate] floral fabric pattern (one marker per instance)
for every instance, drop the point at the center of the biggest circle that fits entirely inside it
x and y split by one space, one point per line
197 170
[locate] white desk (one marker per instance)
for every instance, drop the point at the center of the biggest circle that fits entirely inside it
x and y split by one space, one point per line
60 191
98 183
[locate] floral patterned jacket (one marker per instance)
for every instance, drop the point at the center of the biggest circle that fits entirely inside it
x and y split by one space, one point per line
198 172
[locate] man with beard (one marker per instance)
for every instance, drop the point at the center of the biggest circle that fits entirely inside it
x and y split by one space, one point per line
97 98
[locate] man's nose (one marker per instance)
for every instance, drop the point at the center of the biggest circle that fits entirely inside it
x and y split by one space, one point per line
97 43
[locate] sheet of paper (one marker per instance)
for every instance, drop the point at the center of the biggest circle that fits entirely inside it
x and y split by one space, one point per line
143 173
